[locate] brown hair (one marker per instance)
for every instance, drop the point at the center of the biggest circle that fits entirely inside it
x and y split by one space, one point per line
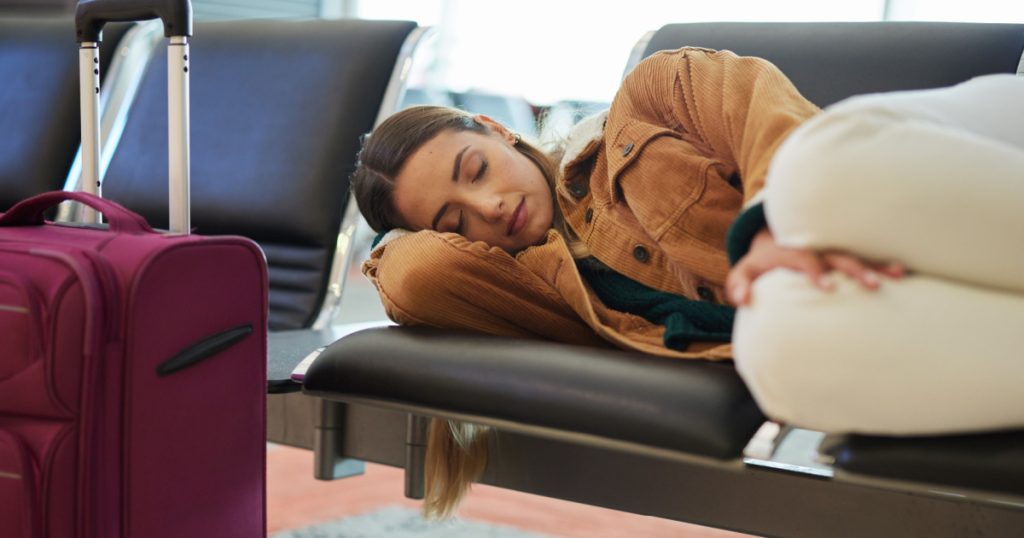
456 457
456 452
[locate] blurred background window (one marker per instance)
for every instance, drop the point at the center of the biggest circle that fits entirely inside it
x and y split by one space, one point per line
547 51
556 59
562 60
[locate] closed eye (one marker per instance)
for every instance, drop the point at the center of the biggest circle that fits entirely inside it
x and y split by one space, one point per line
480 172
461 227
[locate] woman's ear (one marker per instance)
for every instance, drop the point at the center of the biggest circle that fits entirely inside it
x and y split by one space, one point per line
495 127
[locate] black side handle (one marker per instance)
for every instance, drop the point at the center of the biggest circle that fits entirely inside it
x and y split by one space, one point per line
202 350
91 15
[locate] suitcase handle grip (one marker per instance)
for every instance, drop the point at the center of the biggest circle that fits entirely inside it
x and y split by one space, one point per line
91 15
29 212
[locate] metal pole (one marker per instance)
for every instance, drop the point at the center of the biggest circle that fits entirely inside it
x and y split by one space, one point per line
89 92
178 135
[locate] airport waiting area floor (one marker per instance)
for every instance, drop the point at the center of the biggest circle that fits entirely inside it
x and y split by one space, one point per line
372 506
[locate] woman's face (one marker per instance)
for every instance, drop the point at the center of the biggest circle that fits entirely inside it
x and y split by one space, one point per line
476 185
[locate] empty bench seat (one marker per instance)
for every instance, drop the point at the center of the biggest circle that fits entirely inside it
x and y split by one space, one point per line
277 111
991 462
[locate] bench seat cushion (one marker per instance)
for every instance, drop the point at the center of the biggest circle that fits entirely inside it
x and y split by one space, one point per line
993 461
690 406
829 61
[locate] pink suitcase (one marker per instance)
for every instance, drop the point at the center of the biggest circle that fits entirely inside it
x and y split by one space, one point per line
132 377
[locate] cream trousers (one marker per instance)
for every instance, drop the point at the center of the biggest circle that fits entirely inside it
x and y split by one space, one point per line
933 179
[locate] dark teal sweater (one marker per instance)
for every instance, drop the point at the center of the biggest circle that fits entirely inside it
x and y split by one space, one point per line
684 320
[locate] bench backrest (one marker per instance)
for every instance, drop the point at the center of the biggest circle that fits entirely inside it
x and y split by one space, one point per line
277 111
831 61
39 125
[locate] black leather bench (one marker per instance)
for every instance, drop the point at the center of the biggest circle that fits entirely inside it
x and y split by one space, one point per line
702 409
277 112
277 108
39 102
666 438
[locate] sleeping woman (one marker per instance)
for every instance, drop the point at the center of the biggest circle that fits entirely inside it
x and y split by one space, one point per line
861 265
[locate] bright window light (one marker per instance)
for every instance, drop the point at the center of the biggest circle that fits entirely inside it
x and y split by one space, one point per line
547 51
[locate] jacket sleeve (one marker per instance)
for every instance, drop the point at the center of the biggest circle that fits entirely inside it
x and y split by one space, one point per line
443 280
735 111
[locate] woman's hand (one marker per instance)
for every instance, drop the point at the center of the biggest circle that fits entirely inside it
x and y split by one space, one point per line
765 254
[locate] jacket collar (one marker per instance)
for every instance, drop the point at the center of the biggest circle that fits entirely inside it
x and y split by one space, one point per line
583 139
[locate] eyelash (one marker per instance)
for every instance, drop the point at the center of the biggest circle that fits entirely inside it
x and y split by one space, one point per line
480 174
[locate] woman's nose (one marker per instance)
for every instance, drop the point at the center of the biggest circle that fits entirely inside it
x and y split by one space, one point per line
491 208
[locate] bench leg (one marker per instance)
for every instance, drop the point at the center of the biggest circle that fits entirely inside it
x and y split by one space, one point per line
415 456
329 444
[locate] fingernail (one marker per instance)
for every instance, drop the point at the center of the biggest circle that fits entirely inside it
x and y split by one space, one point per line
826 282
871 278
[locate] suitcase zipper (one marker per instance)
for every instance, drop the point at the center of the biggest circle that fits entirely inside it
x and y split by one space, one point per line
33 309
93 439
93 296
111 290
102 291
18 483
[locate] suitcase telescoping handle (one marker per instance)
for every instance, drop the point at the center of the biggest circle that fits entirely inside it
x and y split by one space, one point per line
90 16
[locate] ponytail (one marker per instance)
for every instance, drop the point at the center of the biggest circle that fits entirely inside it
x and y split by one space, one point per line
456 457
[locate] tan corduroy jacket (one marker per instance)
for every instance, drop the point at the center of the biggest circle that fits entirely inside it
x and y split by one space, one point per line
651 187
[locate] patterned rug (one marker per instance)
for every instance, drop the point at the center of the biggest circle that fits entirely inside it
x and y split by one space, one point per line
401 522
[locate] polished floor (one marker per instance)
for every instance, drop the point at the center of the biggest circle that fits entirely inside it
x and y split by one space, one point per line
295 500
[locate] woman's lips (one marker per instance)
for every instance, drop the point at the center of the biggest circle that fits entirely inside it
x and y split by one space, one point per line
518 219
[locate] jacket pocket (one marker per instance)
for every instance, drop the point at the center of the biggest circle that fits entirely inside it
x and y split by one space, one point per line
627 144
18 501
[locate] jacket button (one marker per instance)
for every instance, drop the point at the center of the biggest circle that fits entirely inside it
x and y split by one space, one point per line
705 293
640 253
589 215
578 189
627 149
